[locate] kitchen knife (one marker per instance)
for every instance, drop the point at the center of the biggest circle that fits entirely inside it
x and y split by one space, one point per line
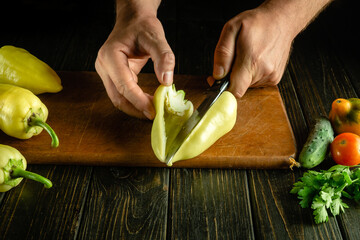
213 94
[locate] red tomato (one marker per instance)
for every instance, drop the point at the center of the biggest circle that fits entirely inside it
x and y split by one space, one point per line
345 149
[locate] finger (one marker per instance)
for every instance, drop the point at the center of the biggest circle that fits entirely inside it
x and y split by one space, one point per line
240 78
118 100
121 102
125 82
162 56
225 50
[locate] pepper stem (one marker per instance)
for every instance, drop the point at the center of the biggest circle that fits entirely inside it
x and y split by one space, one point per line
36 121
18 172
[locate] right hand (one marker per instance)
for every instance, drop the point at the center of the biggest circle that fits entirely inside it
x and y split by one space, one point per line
253 48
131 43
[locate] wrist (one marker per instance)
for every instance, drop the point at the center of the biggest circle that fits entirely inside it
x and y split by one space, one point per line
294 16
130 9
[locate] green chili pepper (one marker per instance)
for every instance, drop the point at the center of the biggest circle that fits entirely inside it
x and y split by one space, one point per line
171 113
21 68
12 169
22 114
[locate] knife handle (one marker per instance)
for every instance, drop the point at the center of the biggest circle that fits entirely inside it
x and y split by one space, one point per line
220 85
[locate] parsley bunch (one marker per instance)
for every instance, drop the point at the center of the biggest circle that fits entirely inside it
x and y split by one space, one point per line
323 191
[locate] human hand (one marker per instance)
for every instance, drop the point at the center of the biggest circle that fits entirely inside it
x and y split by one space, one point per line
133 40
255 46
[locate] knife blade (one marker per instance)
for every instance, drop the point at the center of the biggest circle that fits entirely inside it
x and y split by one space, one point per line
213 94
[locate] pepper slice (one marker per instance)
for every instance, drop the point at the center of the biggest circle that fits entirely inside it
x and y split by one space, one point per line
172 111
12 169
22 114
217 121
20 68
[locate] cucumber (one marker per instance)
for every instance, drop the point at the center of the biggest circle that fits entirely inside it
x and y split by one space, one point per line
317 144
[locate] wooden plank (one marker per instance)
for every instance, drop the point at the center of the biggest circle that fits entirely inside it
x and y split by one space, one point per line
205 203
317 77
277 214
126 203
293 109
45 213
209 204
318 80
344 52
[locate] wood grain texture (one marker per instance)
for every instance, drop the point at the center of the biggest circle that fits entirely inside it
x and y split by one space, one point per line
31 211
277 214
209 204
319 78
293 109
93 132
126 204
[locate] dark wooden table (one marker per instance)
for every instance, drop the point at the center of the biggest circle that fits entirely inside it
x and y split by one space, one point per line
156 203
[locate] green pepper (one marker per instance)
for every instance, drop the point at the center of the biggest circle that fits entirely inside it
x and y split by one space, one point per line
172 110
21 68
22 114
12 169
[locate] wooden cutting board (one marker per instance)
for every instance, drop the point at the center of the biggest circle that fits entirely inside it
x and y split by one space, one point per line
93 132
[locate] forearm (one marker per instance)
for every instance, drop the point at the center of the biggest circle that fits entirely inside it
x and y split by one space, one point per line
126 9
295 14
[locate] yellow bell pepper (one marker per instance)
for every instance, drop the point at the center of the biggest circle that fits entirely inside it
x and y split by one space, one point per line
12 169
345 115
22 114
21 68
172 111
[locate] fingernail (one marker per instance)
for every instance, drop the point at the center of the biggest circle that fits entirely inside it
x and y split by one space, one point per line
167 77
218 71
148 115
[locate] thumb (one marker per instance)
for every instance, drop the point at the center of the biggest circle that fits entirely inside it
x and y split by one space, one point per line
225 50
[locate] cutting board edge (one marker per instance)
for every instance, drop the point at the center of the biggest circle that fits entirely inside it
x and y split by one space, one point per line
259 162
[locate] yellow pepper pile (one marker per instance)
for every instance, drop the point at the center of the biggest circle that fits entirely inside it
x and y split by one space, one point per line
22 114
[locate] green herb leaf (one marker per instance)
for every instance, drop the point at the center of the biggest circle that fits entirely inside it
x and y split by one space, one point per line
320 213
322 191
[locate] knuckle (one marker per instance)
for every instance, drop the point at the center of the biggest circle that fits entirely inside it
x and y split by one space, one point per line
268 69
168 58
121 88
100 56
118 102
223 51
274 79
230 26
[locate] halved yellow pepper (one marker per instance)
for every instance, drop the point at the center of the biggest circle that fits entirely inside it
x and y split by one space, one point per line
172 111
